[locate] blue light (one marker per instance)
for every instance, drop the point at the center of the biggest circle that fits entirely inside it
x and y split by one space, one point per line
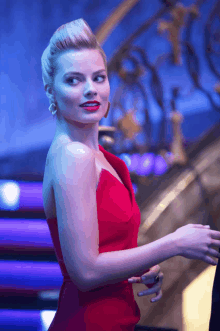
126 158
135 188
9 195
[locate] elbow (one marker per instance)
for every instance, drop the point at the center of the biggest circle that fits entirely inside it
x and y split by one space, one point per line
90 283
83 284
85 280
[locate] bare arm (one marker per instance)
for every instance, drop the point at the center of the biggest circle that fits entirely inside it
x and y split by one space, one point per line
193 241
113 267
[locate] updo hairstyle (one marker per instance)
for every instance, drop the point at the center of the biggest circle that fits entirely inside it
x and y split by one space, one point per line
75 35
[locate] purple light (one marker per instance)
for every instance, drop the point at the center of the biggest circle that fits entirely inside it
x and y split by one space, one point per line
135 161
30 196
146 164
30 234
160 166
30 276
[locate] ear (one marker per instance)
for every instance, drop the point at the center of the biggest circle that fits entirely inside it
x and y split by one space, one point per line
49 91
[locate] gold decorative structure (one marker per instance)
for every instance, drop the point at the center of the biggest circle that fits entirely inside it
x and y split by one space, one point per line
177 148
168 157
173 27
128 124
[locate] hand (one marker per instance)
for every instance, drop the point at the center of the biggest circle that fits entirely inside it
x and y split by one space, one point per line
194 241
149 278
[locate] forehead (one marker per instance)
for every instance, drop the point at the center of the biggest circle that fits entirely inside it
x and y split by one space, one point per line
84 60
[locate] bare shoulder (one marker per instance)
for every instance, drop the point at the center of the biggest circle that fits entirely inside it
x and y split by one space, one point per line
78 150
65 144
74 157
74 183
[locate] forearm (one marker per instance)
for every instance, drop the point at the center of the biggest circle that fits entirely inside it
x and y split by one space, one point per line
113 267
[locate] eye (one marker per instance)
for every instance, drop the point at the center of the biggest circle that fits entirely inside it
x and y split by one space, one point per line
102 78
73 80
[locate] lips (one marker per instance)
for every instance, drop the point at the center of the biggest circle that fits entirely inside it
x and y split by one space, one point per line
90 103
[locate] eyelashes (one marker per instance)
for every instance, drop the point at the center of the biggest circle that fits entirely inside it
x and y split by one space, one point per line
79 80
103 76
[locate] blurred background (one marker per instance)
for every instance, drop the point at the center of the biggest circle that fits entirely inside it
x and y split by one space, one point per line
164 122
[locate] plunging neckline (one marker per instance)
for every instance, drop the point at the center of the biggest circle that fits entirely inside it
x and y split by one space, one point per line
110 174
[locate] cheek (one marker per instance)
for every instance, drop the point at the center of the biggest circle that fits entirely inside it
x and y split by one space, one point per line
105 91
68 94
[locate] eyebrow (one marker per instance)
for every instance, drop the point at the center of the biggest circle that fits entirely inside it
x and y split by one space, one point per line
79 73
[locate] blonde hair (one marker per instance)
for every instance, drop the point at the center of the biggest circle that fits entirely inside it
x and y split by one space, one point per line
75 35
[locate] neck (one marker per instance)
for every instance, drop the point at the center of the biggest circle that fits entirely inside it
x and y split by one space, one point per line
86 133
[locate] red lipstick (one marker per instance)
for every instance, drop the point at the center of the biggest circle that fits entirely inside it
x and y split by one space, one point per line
90 105
90 102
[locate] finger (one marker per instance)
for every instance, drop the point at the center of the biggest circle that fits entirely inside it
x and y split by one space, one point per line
151 274
155 268
158 291
135 280
215 243
214 253
215 235
154 289
158 297
208 260
152 279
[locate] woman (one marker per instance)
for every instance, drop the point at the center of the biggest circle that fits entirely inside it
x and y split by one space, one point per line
89 201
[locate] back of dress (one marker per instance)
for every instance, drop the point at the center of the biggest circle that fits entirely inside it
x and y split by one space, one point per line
110 307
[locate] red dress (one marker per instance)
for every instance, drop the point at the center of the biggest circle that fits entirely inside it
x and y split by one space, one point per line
111 307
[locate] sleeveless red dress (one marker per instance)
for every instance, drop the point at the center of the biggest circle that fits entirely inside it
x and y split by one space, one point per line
111 307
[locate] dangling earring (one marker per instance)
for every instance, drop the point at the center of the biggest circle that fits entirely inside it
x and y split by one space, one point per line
53 109
106 114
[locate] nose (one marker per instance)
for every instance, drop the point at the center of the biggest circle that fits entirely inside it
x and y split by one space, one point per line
90 90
